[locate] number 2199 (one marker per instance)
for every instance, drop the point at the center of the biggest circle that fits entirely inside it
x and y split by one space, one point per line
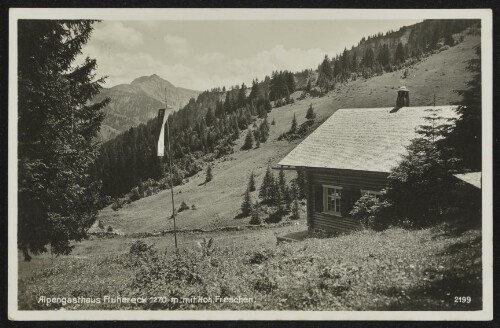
463 299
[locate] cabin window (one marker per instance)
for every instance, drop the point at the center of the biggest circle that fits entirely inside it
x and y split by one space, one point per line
332 196
373 194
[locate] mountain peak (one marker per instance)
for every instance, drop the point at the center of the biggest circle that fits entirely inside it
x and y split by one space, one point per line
150 78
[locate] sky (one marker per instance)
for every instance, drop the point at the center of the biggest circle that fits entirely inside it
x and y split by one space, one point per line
201 55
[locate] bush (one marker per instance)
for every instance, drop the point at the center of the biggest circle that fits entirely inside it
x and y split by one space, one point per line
260 256
140 248
370 213
117 204
183 207
193 207
109 229
135 194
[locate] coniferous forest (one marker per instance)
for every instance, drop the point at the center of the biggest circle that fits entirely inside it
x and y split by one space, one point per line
208 126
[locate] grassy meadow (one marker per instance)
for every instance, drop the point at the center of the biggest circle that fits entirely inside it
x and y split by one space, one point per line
395 269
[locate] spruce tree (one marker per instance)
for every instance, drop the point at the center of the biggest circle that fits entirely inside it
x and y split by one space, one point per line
209 175
399 56
264 130
251 182
267 187
282 182
295 209
257 137
301 183
246 206
293 128
248 141
465 138
310 115
58 126
308 86
256 219
325 75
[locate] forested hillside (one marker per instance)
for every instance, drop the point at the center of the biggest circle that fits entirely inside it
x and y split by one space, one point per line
209 126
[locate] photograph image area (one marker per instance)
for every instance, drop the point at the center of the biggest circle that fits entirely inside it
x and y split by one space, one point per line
248 164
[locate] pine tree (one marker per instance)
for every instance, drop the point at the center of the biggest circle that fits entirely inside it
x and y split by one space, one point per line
419 186
256 219
254 93
295 209
293 128
354 63
465 138
208 176
308 87
310 115
273 122
267 187
210 117
399 56
369 58
282 182
325 75
264 130
277 198
301 183
257 137
251 182
248 141
242 96
58 190
246 206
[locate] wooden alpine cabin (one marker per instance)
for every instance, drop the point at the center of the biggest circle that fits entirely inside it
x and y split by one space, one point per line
351 154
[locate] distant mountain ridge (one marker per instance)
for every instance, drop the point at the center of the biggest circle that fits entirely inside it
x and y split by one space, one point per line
137 102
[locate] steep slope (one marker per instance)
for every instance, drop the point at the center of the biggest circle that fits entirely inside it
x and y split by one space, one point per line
138 102
218 202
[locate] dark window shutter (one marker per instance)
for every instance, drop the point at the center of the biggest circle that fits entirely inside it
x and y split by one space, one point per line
318 198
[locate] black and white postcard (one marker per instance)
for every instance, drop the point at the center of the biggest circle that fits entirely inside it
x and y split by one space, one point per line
254 164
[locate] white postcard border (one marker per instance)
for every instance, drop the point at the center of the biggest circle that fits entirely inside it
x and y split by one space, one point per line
257 14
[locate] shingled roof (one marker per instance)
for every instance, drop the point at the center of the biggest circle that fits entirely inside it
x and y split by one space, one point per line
367 139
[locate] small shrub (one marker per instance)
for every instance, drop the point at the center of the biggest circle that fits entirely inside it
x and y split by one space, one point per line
117 204
260 256
183 207
193 207
135 194
109 229
208 247
140 248
370 213
100 225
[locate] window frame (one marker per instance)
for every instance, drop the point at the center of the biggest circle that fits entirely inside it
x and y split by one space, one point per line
325 199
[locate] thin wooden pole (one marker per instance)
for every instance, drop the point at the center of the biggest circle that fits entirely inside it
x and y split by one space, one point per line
170 169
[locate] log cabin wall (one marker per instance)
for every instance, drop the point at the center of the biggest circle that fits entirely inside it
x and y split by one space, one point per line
352 182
